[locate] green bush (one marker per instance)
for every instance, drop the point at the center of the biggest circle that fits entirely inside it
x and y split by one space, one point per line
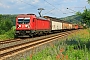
5 24
9 34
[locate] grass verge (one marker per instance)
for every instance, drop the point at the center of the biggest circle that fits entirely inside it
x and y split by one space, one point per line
75 47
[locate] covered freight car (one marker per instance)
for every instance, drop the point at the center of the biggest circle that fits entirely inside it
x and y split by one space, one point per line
29 24
65 26
75 26
56 24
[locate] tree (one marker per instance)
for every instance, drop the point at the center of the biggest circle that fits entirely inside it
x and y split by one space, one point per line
5 24
85 16
89 1
0 18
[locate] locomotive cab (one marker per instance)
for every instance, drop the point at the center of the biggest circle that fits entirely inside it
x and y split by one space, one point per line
24 24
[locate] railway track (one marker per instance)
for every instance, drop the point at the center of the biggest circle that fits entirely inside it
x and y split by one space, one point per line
19 48
14 40
7 43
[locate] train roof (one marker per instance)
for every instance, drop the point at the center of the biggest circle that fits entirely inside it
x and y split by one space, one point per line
41 18
38 17
56 19
46 18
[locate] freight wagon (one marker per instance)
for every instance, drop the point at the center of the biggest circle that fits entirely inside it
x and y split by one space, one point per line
58 24
63 25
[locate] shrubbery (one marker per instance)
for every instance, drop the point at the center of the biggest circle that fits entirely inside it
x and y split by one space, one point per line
6 27
5 24
85 16
9 34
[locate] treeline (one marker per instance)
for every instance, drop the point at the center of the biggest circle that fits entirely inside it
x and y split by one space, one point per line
6 23
73 19
85 16
81 18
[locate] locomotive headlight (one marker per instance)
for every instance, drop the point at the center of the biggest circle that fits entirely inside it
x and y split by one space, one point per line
19 25
26 25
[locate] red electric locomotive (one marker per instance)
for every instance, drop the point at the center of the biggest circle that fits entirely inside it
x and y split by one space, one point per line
29 24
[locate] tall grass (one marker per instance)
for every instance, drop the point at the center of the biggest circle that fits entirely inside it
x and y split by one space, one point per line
74 47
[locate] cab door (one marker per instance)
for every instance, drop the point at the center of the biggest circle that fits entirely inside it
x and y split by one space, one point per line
34 24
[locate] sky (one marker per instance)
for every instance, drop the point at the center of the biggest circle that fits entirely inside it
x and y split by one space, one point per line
54 8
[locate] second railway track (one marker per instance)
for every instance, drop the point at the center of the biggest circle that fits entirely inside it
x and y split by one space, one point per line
7 43
15 49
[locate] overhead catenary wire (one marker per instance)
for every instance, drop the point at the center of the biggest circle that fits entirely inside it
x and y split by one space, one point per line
53 6
74 10
60 10
37 7
56 8
28 4
49 11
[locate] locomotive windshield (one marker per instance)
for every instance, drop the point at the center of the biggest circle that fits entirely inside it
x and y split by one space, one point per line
23 20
